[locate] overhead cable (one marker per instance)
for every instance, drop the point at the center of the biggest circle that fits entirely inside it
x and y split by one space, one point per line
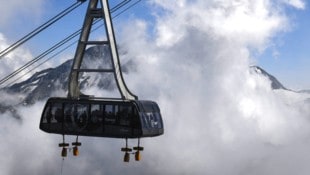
127 8
40 29
119 5
61 43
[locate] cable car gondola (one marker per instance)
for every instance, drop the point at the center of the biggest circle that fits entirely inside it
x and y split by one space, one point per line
83 115
102 118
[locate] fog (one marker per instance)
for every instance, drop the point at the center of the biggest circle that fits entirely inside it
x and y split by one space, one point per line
220 117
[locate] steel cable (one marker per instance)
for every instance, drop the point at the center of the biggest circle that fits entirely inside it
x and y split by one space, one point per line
61 43
39 29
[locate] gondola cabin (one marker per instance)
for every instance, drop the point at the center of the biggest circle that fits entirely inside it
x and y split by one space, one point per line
102 118
81 115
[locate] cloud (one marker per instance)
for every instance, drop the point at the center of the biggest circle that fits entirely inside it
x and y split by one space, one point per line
296 3
220 118
8 63
14 9
12 13
246 22
217 113
24 146
15 60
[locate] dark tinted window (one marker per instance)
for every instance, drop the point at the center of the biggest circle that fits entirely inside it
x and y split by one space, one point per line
68 112
57 113
47 116
96 113
125 114
148 107
109 113
96 117
82 115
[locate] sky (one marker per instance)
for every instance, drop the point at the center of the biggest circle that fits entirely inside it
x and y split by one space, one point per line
287 57
192 57
285 54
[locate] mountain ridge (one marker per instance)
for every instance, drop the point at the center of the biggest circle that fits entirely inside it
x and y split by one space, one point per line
275 83
41 85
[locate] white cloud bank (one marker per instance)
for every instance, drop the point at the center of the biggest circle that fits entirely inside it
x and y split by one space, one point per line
296 3
12 13
13 60
219 117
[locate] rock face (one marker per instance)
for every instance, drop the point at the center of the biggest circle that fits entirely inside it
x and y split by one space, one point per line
275 84
43 84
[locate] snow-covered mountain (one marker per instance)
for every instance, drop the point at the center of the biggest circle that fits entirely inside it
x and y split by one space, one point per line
42 84
45 83
275 84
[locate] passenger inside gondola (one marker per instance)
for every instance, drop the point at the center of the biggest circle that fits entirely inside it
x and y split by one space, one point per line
109 117
69 113
58 115
124 115
96 118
